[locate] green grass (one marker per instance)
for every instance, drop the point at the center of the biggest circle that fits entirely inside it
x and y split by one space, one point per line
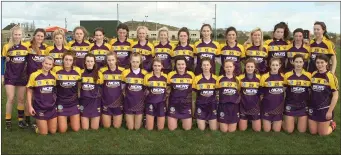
119 141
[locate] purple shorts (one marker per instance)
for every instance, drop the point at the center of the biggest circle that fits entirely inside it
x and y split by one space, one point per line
156 109
90 107
179 109
296 112
45 114
206 111
319 115
228 113
271 117
15 82
250 117
112 111
65 109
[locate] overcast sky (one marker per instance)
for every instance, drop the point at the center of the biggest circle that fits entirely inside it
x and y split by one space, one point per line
242 15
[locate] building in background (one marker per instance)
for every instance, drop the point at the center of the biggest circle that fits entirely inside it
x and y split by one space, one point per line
173 35
109 26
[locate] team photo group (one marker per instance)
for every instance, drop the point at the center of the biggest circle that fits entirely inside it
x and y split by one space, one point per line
269 85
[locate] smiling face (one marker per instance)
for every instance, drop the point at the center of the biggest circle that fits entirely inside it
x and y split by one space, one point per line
321 64
298 63
250 68
99 36
39 37
181 65
122 33
47 64
256 37
275 65
231 36
298 37
163 36
157 66
142 34
17 35
206 32
318 31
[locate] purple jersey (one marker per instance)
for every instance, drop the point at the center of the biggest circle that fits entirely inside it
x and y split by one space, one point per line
147 52
16 67
181 85
67 85
273 91
186 51
205 89
156 87
259 55
34 61
326 47
322 85
89 87
100 53
228 89
43 86
164 53
134 90
297 89
277 49
57 54
210 50
112 90
123 51
80 50
293 50
235 54
250 95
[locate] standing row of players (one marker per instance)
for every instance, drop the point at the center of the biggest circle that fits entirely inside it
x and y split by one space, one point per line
17 54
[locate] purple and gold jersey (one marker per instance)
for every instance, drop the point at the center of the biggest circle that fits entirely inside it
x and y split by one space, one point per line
122 50
297 89
326 47
100 53
272 89
277 49
112 82
228 89
89 87
67 85
322 86
134 89
260 56
57 54
250 95
292 51
201 50
43 86
205 89
156 87
16 67
164 53
186 51
34 61
147 52
235 54
181 85
80 50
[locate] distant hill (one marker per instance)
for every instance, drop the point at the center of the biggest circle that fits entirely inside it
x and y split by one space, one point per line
132 25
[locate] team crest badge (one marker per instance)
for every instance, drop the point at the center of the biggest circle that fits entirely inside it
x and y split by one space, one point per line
41 114
199 111
288 108
60 76
311 111
150 107
222 114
